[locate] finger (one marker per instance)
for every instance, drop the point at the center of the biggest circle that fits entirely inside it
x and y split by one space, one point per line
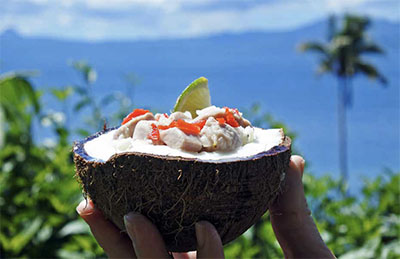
292 199
209 244
115 243
297 164
145 237
189 255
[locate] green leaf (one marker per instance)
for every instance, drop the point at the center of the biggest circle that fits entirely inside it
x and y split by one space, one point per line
62 94
370 71
88 73
18 92
326 65
80 90
19 241
82 103
83 132
2 128
371 48
313 46
73 228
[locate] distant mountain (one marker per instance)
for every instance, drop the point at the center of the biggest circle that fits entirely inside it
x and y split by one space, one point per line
242 69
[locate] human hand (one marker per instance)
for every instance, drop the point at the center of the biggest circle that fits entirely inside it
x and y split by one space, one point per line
291 218
143 240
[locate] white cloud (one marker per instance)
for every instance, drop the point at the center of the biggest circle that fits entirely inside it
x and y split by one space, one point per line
343 5
121 4
136 19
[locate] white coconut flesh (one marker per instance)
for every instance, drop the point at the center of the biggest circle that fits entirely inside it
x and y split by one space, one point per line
105 146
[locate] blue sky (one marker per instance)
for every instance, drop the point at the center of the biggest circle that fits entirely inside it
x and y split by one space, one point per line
153 19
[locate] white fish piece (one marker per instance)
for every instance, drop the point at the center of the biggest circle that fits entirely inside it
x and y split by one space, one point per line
122 144
126 130
246 134
211 111
175 138
216 137
143 129
163 119
186 116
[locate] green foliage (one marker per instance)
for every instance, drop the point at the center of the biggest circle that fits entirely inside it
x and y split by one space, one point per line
39 194
95 119
38 191
367 225
361 226
87 72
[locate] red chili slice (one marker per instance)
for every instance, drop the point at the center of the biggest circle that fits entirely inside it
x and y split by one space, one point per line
163 127
230 119
201 124
173 124
221 121
155 133
188 128
135 113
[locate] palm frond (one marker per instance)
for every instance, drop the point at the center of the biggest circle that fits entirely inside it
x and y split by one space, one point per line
325 66
313 46
370 48
355 25
341 41
370 71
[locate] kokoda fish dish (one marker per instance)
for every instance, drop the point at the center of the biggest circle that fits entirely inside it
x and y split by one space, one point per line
199 162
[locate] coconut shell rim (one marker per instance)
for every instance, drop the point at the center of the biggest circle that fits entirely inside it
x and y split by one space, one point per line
79 150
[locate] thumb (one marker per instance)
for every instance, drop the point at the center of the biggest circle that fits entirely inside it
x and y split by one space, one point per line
297 164
209 243
292 198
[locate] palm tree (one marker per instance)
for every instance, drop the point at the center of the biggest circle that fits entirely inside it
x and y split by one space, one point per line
341 56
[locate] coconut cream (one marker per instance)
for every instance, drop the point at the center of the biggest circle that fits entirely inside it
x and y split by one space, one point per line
104 146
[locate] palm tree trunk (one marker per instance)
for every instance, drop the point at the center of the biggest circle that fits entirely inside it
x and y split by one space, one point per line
342 125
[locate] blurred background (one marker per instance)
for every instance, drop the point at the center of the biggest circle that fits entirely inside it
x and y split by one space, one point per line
327 71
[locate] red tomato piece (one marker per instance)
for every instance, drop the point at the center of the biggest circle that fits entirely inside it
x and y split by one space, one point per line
200 124
230 119
188 128
163 127
135 113
173 124
221 121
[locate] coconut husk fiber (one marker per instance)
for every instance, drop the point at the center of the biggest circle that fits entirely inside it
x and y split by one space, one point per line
175 193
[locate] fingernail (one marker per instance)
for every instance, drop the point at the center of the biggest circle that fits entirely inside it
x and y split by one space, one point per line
200 235
302 163
130 225
85 207
128 219
298 162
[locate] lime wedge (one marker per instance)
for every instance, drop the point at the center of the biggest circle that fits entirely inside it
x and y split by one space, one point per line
195 97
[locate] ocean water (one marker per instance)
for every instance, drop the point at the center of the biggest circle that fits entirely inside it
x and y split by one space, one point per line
242 69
